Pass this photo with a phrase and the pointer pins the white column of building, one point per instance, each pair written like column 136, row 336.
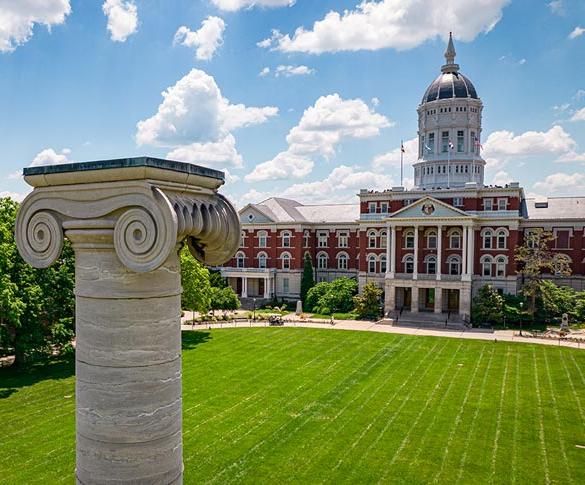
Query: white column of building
column 470, row 250
column 244, row 287
column 415, row 269
column 393, row 252
column 439, row 251
column 266, row 287
column 464, row 253
column 387, row 248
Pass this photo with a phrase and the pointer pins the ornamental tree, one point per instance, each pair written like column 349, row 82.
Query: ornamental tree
column 367, row 304
column 535, row 259
column 307, row 280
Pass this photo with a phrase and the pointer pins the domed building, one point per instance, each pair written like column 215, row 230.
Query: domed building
column 449, row 130
column 430, row 248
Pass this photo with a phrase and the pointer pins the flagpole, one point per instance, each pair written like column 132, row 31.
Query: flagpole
column 401, row 163
column 449, row 165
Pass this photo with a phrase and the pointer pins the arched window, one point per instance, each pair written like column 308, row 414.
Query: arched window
column 432, row 239
column 286, row 239
column 486, row 265
column 502, row 238
column 454, row 264
column 408, row 262
column 455, row 239
column 372, row 239
column 322, row 261
column 383, row 239
column 262, row 258
column 342, row 261
column 306, row 238
column 487, row 238
column 372, row 263
column 285, row 258
column 383, row 265
column 262, row 239
column 501, row 266
column 240, row 260
column 431, row 264
column 409, row 239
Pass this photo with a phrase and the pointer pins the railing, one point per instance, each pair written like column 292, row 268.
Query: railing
column 403, row 276
column 230, row 269
column 424, row 276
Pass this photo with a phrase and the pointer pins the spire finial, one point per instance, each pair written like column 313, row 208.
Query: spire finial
column 450, row 54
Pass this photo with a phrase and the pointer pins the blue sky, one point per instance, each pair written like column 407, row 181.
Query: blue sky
column 77, row 77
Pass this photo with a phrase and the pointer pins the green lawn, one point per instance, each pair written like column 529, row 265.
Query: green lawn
column 272, row 405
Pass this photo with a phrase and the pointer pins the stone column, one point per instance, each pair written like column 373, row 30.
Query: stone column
column 464, row 252
column 415, row 272
column 414, row 300
column 393, row 252
column 266, row 288
column 126, row 220
column 470, row 250
column 388, row 249
column 438, row 300
column 439, row 251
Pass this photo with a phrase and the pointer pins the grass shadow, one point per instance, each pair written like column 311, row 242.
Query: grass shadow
column 12, row 379
column 192, row 339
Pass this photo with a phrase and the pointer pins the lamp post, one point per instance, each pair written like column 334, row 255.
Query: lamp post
column 254, row 310
column 521, row 316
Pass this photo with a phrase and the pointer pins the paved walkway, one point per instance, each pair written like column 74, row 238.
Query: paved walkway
column 472, row 333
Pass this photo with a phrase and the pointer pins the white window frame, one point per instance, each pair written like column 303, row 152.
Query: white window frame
column 430, row 259
column 372, row 264
column 343, row 239
column 322, row 261
column 343, row 261
column 488, row 204
column 454, row 261
column 372, row 239
column 240, row 260
column 406, row 261
column 372, row 207
column 501, row 262
column 457, row 201
column 487, row 235
column 262, row 256
column 322, row 239
column 285, row 239
column 502, row 204
column 262, row 239
column 285, row 261
column 432, row 234
column 407, row 236
column 455, row 234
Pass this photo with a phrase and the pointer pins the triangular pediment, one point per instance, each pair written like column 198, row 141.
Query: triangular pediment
column 429, row 208
column 250, row 214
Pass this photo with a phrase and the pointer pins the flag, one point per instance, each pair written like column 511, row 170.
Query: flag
column 451, row 146
column 402, row 149
column 477, row 143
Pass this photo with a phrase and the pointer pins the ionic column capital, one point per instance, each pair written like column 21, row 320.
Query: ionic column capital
column 143, row 220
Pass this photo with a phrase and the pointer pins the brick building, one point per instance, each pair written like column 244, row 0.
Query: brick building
column 430, row 248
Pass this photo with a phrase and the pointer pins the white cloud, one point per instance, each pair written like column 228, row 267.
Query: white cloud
column 13, row 195
column 579, row 115
column 264, row 72
column 503, row 146
column 398, row 24
column 375, row 102
column 206, row 40
column 579, row 94
column 556, row 6
column 577, row 32
column 122, row 18
column 288, row 71
column 17, row 19
column 48, row 156
column 392, row 158
column 194, row 111
column 561, row 183
column 340, row 186
column 501, row 178
column 233, row 5
column 219, row 154
column 321, row 129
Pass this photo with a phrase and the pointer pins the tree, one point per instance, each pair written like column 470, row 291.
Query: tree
column 367, row 304
column 534, row 259
column 555, row 300
column 328, row 298
column 224, row 299
column 488, row 307
column 36, row 305
column 195, row 281
column 307, row 280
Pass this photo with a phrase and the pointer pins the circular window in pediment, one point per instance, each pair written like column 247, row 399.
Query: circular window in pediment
column 428, row 208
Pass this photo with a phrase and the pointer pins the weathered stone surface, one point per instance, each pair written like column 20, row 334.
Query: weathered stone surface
column 127, row 220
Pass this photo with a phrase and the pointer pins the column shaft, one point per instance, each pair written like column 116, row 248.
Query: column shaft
column 439, row 251
column 128, row 371
column 464, row 251
column 388, row 250
column 393, row 251
column 415, row 272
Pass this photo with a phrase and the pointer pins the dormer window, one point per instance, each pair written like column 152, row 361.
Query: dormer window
column 502, row 204
column 372, row 208
column 488, row 204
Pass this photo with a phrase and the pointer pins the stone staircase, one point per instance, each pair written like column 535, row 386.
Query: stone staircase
column 427, row 319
